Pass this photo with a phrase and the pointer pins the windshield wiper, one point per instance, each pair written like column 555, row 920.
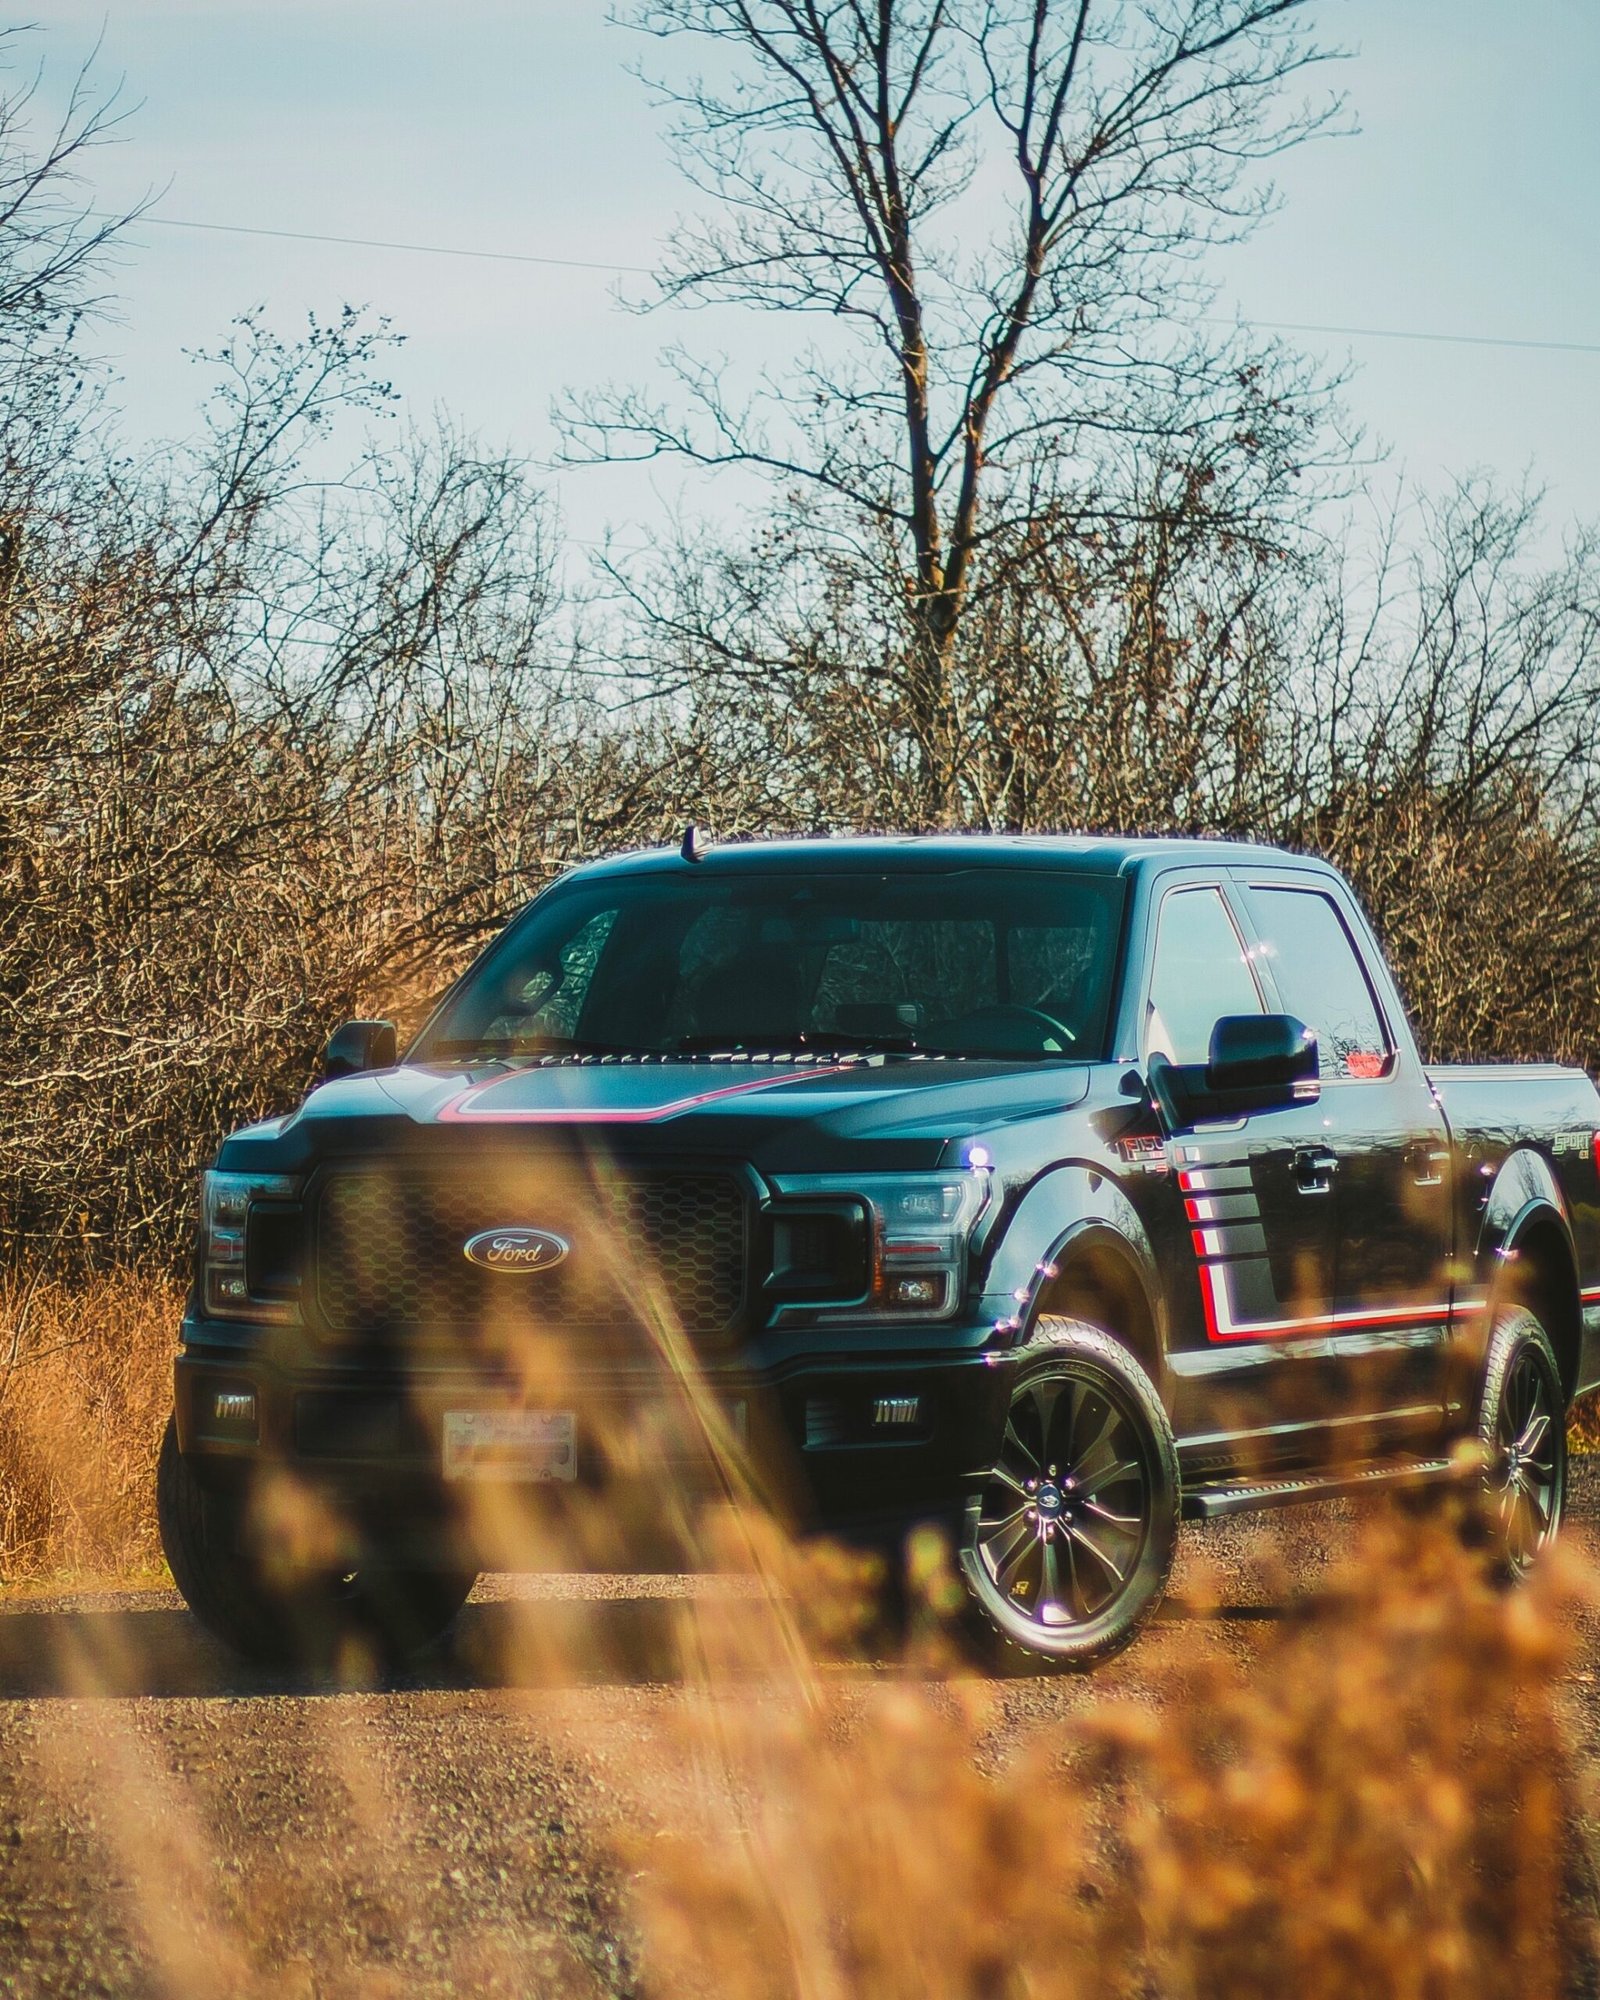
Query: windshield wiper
column 831, row 1043
column 1005, row 1055
column 495, row 1047
column 800, row 1044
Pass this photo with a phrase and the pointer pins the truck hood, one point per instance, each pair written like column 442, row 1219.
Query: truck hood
column 786, row 1117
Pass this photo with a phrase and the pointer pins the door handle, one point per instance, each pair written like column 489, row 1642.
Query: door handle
column 1314, row 1169
column 1423, row 1162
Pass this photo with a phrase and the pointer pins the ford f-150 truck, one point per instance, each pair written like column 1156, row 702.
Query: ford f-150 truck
column 1050, row 1189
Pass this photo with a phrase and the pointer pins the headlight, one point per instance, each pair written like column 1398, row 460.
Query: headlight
column 918, row 1229
column 248, row 1271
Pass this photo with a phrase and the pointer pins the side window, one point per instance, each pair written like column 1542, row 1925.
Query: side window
column 1319, row 973
column 1200, row 973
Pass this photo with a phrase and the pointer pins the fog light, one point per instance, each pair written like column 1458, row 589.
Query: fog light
column 234, row 1410
column 894, row 1411
column 917, row 1291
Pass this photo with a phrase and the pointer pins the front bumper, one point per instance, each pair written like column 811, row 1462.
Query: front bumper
column 855, row 1441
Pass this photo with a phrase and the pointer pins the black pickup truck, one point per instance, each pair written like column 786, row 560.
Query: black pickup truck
column 1049, row 1189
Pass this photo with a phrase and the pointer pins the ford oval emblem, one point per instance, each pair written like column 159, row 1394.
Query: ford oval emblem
column 515, row 1249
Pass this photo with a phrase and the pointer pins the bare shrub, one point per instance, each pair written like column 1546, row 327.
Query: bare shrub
column 1446, row 758
column 1426, row 723
column 274, row 749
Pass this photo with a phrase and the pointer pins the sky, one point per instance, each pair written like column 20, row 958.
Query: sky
column 1467, row 204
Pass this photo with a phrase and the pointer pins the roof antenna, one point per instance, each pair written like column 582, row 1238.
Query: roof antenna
column 693, row 848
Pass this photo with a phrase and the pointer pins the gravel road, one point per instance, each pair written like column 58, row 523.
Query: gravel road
column 172, row 1825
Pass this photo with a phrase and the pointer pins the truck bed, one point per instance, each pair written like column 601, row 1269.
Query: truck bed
column 1507, row 1104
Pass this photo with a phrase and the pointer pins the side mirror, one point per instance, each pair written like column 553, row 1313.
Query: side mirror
column 1259, row 1062
column 359, row 1046
column 1261, row 1052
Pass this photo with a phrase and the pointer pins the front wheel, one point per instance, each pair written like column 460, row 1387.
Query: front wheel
column 1069, row 1540
column 304, row 1618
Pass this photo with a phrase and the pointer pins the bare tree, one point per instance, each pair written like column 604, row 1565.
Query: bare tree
column 1004, row 205
column 54, row 245
column 284, row 735
column 1443, row 751
column 1116, row 673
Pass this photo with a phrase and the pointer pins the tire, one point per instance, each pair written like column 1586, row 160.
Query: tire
column 306, row 1619
column 1522, row 1434
column 1068, row 1542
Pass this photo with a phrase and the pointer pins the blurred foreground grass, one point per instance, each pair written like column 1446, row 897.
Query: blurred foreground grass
column 1375, row 1792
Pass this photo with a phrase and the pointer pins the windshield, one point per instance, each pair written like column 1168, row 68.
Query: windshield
column 977, row 962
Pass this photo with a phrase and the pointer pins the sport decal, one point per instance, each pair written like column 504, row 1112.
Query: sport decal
column 1236, row 1288
column 471, row 1107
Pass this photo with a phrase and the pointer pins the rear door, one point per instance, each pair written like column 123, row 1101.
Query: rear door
column 1391, row 1294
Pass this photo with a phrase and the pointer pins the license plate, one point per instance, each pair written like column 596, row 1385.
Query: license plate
column 510, row 1444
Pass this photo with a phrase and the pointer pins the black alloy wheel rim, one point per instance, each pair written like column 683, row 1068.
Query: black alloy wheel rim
column 1525, row 1485
column 1064, row 1513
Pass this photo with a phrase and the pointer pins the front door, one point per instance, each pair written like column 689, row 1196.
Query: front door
column 1392, row 1285
column 1253, row 1205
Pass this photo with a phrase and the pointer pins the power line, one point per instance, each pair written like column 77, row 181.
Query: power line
column 646, row 270
column 385, row 243
column 1404, row 333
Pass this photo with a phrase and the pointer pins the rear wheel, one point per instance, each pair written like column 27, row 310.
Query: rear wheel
column 1069, row 1541
column 1522, row 1431
column 298, row 1618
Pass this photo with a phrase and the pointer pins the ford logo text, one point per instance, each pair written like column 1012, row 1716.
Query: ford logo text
column 515, row 1249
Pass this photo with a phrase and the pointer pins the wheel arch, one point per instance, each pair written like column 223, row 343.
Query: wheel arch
column 1095, row 1274
column 1536, row 1266
column 1525, row 1255
column 1076, row 1247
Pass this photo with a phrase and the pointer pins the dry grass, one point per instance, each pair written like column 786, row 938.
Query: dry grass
column 85, row 1389
column 1583, row 1425
column 1379, row 1804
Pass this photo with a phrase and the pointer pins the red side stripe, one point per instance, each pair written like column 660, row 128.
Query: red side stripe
column 1209, row 1303
column 1317, row 1322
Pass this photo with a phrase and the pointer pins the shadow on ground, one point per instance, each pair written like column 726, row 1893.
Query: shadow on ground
column 75, row 1652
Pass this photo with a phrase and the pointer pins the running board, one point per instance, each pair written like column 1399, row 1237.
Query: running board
column 1211, row 1502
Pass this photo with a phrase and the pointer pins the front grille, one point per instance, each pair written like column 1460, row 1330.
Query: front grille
column 390, row 1250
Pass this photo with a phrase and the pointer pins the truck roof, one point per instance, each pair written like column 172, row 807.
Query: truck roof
column 1095, row 854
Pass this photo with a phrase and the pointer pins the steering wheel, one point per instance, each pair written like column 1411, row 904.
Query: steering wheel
column 1037, row 1017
